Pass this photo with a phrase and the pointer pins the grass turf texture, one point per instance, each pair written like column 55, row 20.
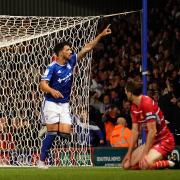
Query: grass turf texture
column 86, row 173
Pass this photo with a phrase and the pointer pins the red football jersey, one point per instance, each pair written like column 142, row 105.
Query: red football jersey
column 149, row 111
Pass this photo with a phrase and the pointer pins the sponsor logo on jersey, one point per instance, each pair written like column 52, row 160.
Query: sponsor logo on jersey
column 67, row 78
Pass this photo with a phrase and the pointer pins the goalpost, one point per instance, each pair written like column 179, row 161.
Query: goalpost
column 26, row 45
column 26, row 48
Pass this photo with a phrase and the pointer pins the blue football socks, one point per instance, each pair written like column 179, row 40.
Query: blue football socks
column 47, row 143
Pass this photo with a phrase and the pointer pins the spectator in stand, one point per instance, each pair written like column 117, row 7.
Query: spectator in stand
column 121, row 135
column 96, row 135
column 110, row 119
column 96, row 127
column 125, row 112
column 176, row 47
column 114, row 97
column 169, row 105
column 106, row 102
column 95, row 101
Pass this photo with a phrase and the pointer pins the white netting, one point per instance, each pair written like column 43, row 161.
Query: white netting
column 26, row 45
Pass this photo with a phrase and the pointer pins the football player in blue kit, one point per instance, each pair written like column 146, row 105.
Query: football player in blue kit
column 56, row 84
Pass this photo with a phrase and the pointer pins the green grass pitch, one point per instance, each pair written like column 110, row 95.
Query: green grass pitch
column 86, row 173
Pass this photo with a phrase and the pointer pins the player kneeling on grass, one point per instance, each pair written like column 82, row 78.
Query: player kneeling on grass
column 159, row 140
column 56, row 83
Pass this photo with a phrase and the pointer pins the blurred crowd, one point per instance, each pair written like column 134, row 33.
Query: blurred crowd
column 119, row 57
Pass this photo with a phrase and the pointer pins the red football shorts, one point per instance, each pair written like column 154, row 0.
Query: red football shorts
column 165, row 146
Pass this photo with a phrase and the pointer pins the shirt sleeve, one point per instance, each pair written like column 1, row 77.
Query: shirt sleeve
column 134, row 118
column 148, row 109
column 73, row 60
column 47, row 74
column 134, row 115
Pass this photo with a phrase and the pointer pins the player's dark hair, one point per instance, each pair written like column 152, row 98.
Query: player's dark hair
column 58, row 47
column 135, row 87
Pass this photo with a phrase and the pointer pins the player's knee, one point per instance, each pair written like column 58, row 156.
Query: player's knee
column 146, row 164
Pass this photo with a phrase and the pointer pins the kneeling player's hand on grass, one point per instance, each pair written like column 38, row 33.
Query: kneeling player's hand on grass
column 126, row 159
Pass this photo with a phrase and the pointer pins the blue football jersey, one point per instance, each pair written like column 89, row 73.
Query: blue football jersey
column 60, row 78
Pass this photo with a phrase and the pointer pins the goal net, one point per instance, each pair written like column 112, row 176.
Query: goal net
column 26, row 45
